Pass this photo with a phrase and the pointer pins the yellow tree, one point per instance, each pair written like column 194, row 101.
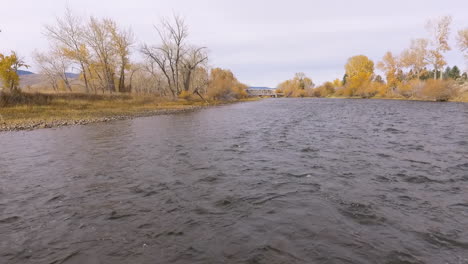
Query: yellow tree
column 122, row 41
column 9, row 66
column 390, row 65
column 299, row 86
column 99, row 39
column 359, row 70
column 439, row 30
column 223, row 85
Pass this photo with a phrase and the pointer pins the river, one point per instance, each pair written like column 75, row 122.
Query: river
column 273, row 181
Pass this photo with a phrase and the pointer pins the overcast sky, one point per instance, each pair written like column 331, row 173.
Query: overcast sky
column 262, row 42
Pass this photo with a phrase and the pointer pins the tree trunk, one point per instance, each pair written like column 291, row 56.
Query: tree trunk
column 110, row 81
column 122, row 80
column 187, row 80
column 85, row 77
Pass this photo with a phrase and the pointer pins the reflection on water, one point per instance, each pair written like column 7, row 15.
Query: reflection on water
column 275, row 181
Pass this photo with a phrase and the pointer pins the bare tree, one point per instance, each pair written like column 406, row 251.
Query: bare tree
column 462, row 39
column 416, row 57
column 439, row 30
column 54, row 66
column 194, row 57
column 169, row 54
column 162, row 59
column 68, row 35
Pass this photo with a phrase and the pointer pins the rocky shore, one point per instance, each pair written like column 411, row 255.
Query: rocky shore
column 30, row 125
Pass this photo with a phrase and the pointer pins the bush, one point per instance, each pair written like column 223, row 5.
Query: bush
column 439, row 90
column 185, row 95
column 16, row 97
column 325, row 90
column 224, row 86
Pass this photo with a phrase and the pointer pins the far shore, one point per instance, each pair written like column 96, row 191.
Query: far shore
column 82, row 111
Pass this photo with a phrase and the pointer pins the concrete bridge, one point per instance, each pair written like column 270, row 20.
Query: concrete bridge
column 262, row 92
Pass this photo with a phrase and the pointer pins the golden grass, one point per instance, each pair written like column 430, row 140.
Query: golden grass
column 74, row 107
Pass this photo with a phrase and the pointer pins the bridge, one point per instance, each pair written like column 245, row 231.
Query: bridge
column 262, row 92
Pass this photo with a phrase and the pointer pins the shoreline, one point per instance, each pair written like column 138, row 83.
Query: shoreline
column 29, row 125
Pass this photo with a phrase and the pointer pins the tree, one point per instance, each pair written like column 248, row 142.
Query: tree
column 122, row 41
column 168, row 54
column 379, row 79
column 194, row 57
column 454, row 73
column 416, row 57
column 359, row 70
column 439, row 30
column 99, row 38
column 54, row 66
column 223, row 85
column 345, row 78
column 176, row 59
column 299, row 86
column 462, row 40
column 68, row 36
column 9, row 66
column 391, row 66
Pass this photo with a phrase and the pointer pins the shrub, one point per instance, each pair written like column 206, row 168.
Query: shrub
column 439, row 90
column 185, row 95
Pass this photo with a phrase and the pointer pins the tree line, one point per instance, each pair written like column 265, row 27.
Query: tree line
column 101, row 51
column 417, row 72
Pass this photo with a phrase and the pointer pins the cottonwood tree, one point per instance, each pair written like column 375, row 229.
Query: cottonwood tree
column 462, row 40
column 54, row 65
column 390, row 64
column 158, row 77
column 9, row 66
column 68, row 36
column 122, row 41
column 359, row 71
column 299, row 86
column 223, row 85
column 416, row 56
column 99, row 39
column 439, row 30
column 175, row 58
column 193, row 58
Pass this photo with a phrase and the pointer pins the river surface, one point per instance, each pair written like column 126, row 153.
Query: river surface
column 273, row 181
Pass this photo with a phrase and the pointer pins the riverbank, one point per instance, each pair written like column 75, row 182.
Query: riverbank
column 463, row 99
column 79, row 109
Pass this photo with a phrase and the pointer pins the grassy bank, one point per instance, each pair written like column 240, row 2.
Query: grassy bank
column 30, row 111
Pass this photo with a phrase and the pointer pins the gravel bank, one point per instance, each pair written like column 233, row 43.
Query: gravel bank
column 30, row 125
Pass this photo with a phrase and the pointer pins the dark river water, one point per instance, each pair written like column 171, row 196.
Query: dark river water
column 273, row 181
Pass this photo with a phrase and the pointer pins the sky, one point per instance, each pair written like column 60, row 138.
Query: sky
column 262, row 42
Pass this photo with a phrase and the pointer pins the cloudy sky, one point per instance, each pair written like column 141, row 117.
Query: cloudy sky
column 263, row 42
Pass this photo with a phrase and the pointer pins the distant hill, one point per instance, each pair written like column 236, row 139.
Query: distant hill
column 37, row 81
column 69, row 74
column 72, row 75
column 21, row 72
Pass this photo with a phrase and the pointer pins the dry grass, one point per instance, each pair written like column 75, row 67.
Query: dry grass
column 52, row 107
column 27, row 110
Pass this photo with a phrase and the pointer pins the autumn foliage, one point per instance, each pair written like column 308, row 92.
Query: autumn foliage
column 416, row 73
column 223, row 85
